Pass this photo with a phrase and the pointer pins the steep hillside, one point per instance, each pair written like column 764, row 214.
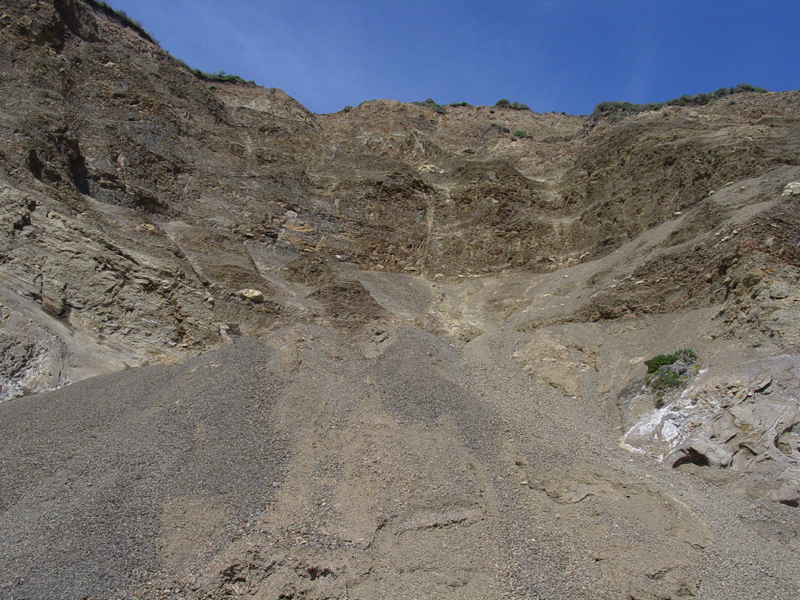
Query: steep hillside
column 388, row 352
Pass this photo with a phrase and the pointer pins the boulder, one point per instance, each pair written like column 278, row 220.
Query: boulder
column 252, row 295
column 792, row 189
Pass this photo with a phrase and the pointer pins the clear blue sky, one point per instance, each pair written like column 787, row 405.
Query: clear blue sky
column 554, row 55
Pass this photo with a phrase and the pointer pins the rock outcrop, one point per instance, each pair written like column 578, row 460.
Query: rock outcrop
column 746, row 421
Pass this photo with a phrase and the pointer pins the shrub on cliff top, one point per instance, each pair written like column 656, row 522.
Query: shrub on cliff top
column 122, row 17
column 218, row 77
column 616, row 111
column 503, row 103
column 430, row 103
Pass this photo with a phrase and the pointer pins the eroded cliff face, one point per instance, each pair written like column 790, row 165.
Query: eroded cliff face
column 138, row 204
column 137, row 199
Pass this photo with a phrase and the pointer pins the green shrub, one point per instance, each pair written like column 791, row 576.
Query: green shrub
column 430, row 103
column 744, row 87
column 667, row 371
column 616, row 111
column 655, row 363
column 520, row 134
column 122, row 17
column 218, row 77
column 459, row 104
column 503, row 103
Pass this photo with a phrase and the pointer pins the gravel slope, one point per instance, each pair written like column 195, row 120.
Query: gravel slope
column 321, row 463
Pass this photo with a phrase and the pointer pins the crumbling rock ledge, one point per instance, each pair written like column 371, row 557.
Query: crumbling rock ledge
column 746, row 420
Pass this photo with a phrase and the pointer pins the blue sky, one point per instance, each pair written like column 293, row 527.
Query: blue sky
column 554, row 55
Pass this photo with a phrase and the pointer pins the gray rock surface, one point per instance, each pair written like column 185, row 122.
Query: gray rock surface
column 745, row 421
